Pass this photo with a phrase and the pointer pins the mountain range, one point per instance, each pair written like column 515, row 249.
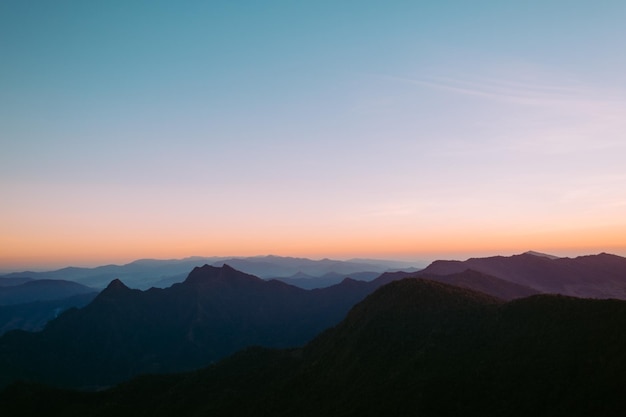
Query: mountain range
column 146, row 273
column 593, row 276
column 413, row 347
column 217, row 311
column 41, row 290
column 596, row 276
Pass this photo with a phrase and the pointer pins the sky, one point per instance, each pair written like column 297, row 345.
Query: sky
column 389, row 129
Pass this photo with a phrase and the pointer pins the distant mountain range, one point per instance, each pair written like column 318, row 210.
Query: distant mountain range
column 593, row 276
column 13, row 279
column 596, row 276
column 146, row 273
column 41, row 290
column 413, row 347
column 309, row 282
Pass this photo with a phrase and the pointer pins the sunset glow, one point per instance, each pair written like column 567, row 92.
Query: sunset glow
column 361, row 129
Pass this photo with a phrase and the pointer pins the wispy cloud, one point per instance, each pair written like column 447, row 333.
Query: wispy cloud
column 511, row 91
column 555, row 114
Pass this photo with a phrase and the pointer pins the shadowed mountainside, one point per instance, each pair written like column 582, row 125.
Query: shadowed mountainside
column 484, row 283
column 414, row 347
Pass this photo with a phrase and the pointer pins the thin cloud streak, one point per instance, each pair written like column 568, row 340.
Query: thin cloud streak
column 560, row 118
column 520, row 93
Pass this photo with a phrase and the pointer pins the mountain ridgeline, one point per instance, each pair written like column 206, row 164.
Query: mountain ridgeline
column 30, row 304
column 41, row 290
column 125, row 332
column 592, row 276
column 413, row 347
column 217, row 311
column 147, row 273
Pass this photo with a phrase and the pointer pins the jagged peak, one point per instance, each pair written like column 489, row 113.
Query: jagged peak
column 116, row 285
column 114, row 288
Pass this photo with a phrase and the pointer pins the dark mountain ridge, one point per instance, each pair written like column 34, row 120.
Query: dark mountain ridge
column 213, row 313
column 482, row 282
column 593, row 276
column 413, row 347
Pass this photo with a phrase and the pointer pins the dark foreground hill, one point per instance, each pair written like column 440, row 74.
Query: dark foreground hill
column 592, row 276
column 414, row 347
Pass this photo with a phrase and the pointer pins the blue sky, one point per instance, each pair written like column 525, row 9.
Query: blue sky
column 398, row 129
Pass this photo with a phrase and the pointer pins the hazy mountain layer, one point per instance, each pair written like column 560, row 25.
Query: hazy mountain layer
column 595, row 276
column 13, row 280
column 138, row 274
column 309, row 282
column 41, row 290
column 35, row 315
column 146, row 273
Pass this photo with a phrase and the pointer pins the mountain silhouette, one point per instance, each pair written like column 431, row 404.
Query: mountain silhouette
column 413, row 347
column 281, row 266
column 146, row 273
column 309, row 282
column 213, row 313
column 484, row 283
column 142, row 273
column 594, row 276
column 124, row 332
column 469, row 279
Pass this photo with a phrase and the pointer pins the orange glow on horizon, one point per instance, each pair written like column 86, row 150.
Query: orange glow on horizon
column 55, row 253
